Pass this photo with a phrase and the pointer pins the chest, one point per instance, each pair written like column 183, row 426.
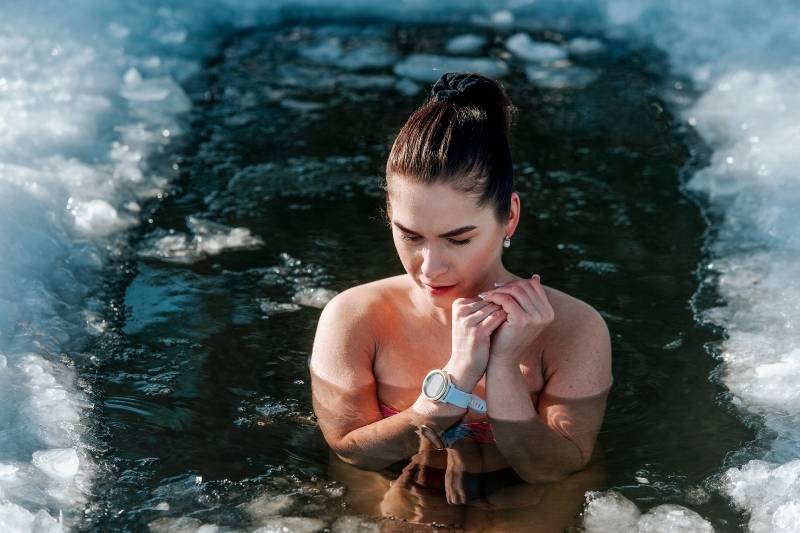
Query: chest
column 407, row 351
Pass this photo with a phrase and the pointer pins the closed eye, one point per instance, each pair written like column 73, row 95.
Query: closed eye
column 416, row 238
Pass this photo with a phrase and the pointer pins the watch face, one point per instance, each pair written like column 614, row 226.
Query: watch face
column 434, row 384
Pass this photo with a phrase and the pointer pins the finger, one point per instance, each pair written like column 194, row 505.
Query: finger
column 481, row 314
column 543, row 301
column 472, row 305
column 509, row 303
column 491, row 322
column 519, row 293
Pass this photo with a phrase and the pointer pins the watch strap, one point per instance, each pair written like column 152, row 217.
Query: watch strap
column 463, row 399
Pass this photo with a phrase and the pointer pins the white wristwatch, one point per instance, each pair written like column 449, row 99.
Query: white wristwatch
column 437, row 387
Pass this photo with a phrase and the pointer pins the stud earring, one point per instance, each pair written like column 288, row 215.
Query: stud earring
column 507, row 242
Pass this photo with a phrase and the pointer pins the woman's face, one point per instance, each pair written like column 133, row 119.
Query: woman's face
column 448, row 245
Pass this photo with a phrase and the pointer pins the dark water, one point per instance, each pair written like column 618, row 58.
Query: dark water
column 202, row 387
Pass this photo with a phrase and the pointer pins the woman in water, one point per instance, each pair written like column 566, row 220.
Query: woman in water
column 483, row 378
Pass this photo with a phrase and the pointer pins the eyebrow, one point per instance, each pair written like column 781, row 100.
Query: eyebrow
column 451, row 233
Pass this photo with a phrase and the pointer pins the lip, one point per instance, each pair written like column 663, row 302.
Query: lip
column 437, row 290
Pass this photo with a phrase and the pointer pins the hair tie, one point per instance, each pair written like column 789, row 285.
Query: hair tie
column 453, row 84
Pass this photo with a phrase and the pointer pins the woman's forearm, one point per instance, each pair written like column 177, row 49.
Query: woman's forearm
column 391, row 439
column 536, row 452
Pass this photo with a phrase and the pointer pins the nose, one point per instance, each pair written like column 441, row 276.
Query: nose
column 433, row 263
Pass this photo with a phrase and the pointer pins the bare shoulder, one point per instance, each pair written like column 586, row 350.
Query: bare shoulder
column 346, row 335
column 576, row 342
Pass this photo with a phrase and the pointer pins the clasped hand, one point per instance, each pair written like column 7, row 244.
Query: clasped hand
column 499, row 325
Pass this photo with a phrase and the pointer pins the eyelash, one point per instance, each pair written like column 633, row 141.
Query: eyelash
column 415, row 238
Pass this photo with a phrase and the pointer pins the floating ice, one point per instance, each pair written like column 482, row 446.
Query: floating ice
column 313, row 296
column 271, row 307
column 768, row 492
column 560, row 78
column 58, row 463
column 268, row 505
column 521, row 45
column 582, row 46
column 208, row 238
column 354, row 524
column 295, row 524
column 429, row 67
column 16, row 519
column 469, row 43
column 359, row 57
column 611, row 512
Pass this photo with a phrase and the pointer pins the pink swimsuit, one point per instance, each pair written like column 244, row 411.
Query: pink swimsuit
column 480, row 431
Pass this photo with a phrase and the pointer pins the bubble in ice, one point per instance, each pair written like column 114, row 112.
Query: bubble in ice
column 430, row 67
column 522, row 46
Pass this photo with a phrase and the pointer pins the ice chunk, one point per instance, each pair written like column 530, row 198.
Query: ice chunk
column 57, row 463
column 430, row 67
column 768, row 492
column 580, row 46
column 313, row 296
column 673, row 518
column 468, row 43
column 610, row 512
column 362, row 56
column 521, row 45
column 295, row 524
column 183, row 524
column 271, row 307
column 560, row 78
column 16, row 519
column 407, row 87
column 208, row 238
column 354, row 524
column 268, row 505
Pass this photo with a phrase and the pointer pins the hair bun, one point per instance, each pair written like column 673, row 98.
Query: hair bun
column 456, row 84
column 473, row 89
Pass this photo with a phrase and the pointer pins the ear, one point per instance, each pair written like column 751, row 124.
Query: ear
column 513, row 215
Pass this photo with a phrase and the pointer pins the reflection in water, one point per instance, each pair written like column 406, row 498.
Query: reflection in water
column 468, row 486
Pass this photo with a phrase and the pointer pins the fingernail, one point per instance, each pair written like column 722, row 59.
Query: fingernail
column 537, row 277
column 499, row 283
column 482, row 296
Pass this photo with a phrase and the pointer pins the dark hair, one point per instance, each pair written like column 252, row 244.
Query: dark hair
column 460, row 136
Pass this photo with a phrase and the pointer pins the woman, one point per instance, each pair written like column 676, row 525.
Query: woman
column 538, row 359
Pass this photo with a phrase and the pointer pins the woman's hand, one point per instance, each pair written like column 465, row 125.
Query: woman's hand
column 473, row 321
column 528, row 313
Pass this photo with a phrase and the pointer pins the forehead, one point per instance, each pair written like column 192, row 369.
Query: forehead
column 438, row 206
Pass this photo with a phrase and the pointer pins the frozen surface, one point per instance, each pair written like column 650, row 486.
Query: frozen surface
column 81, row 112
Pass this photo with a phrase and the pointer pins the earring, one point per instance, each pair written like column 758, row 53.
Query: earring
column 507, row 242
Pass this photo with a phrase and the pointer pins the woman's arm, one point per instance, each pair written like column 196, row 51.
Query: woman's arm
column 558, row 440
column 344, row 390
